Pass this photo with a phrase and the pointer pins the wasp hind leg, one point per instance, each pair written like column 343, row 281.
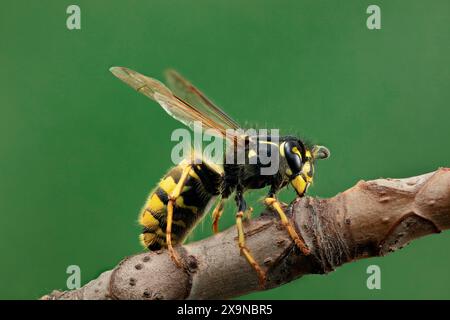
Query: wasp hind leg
column 272, row 202
column 172, row 199
column 241, row 240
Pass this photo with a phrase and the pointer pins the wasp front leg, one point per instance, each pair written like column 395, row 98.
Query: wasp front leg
column 241, row 240
column 172, row 200
column 272, row 202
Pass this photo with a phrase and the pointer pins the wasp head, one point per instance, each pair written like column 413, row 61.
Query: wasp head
column 300, row 162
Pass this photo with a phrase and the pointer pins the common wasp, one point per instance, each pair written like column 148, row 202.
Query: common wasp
column 188, row 191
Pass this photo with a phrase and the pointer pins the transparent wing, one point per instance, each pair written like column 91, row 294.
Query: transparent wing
column 175, row 106
column 189, row 93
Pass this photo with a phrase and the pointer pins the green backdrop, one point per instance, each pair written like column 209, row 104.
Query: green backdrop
column 79, row 151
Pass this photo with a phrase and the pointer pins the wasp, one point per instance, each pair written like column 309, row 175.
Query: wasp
column 188, row 190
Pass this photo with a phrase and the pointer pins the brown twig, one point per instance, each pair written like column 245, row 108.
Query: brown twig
column 370, row 219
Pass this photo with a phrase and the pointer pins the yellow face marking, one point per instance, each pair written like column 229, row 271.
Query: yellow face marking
column 289, row 172
column 308, row 154
column 167, row 184
column 306, row 169
column 155, row 204
column 148, row 220
column 296, row 151
column 299, row 185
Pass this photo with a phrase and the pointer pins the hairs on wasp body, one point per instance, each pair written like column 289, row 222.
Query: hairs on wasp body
column 189, row 189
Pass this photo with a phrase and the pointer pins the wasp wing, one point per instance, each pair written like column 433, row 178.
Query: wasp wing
column 189, row 93
column 175, row 106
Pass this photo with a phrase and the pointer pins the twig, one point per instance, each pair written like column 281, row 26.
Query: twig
column 370, row 219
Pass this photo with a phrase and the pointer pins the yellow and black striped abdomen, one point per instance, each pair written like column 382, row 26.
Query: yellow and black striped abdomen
column 188, row 209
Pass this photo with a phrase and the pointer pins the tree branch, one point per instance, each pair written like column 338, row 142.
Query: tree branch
column 370, row 219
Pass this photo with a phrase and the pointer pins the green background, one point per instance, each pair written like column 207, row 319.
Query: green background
column 79, row 151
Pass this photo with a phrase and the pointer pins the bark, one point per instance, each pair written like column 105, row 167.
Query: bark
column 373, row 218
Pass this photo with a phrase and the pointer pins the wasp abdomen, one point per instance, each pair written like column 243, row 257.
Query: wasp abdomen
column 188, row 209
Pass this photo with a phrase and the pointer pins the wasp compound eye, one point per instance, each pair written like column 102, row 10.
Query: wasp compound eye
column 293, row 157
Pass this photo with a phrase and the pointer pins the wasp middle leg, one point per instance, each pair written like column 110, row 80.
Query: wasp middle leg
column 272, row 202
column 241, row 239
column 217, row 213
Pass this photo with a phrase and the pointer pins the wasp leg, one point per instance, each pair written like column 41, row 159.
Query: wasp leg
column 217, row 213
column 299, row 242
column 172, row 199
column 241, row 241
column 248, row 213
